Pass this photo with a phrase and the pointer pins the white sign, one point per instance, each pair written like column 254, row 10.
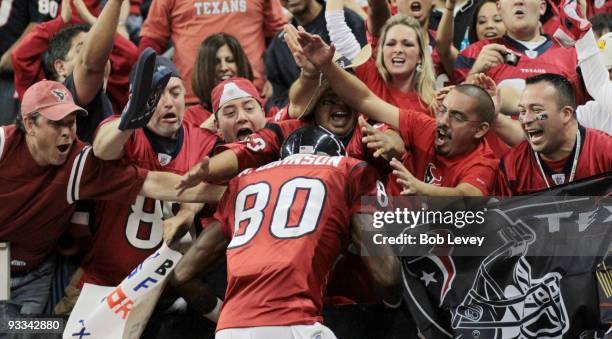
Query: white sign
column 122, row 311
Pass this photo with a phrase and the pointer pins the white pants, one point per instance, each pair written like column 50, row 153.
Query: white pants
column 314, row 331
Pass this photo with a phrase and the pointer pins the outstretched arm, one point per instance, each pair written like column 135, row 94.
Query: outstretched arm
column 444, row 38
column 413, row 186
column 221, row 167
column 207, row 250
column 384, row 269
column 350, row 89
column 378, row 14
column 305, row 86
column 89, row 70
column 161, row 186
column 110, row 141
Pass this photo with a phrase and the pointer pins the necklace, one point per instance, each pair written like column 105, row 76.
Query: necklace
column 562, row 176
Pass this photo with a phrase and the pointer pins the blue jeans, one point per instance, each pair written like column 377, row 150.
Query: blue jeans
column 30, row 291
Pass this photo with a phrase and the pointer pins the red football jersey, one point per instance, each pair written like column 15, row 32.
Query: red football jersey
column 549, row 57
column 37, row 202
column 264, row 145
column 287, row 222
column 477, row 168
column 520, row 174
column 127, row 234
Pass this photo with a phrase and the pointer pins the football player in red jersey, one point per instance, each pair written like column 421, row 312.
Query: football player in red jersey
column 449, row 154
column 282, row 228
column 557, row 150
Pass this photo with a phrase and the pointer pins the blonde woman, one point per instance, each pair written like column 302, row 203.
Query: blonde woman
column 400, row 70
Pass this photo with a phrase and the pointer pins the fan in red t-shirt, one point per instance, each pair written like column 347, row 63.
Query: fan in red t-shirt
column 449, row 153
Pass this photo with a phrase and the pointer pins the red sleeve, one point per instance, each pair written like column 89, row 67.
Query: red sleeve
column 155, row 31
column 263, row 146
column 123, row 57
column 274, row 19
column 260, row 148
column 415, row 125
column 482, row 175
column 92, row 178
column 27, row 55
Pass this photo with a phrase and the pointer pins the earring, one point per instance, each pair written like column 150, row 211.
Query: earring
column 419, row 67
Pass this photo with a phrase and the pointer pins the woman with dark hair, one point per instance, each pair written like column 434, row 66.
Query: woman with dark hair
column 220, row 57
column 486, row 23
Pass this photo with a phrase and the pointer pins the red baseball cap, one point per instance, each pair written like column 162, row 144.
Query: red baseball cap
column 51, row 99
column 233, row 88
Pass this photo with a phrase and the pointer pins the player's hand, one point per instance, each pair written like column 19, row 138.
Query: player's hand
column 194, row 176
column 315, row 49
column 291, row 38
column 384, row 144
column 176, row 227
column 492, row 55
column 66, row 12
column 410, row 184
column 488, row 84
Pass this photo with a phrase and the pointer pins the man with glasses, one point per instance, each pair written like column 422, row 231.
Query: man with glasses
column 449, row 154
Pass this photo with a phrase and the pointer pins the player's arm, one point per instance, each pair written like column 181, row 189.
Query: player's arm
column 162, row 186
column 413, row 186
column 110, row 141
column 89, row 70
column 349, row 88
column 219, row 168
column 384, row 269
column 208, row 250
column 175, row 227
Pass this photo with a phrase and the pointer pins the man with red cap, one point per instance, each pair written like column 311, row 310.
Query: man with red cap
column 44, row 170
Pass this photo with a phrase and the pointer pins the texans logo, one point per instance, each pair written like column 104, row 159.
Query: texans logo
column 430, row 178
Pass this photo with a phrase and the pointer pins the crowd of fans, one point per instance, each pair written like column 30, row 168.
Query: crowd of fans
column 442, row 97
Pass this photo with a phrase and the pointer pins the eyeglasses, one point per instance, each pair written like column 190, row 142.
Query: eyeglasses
column 455, row 116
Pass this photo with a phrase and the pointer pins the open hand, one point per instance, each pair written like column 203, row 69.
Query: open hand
column 194, row 176
column 410, row 184
column 381, row 142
